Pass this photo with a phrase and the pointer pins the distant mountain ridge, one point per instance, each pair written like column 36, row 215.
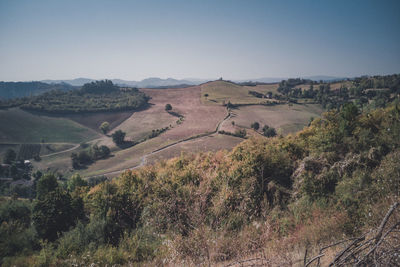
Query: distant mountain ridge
column 21, row 89
column 149, row 82
column 10, row 90
column 154, row 82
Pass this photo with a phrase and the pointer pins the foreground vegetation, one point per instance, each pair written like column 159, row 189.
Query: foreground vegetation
column 333, row 180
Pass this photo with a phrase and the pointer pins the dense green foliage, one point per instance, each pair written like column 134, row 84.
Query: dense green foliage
column 255, row 126
column 365, row 91
column 269, row 131
column 93, row 97
column 168, row 107
column 118, row 137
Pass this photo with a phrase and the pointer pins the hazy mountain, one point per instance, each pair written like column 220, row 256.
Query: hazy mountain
column 262, row 80
column 155, row 82
column 20, row 89
column 149, row 82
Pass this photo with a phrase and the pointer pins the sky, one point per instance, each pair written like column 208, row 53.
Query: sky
column 133, row 40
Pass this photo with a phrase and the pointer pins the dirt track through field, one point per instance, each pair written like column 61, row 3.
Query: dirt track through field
column 63, row 151
column 143, row 160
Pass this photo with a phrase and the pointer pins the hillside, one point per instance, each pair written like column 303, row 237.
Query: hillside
column 96, row 96
column 23, row 127
column 280, row 196
column 222, row 92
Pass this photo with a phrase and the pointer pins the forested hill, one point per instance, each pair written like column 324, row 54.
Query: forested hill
column 9, row 90
column 91, row 97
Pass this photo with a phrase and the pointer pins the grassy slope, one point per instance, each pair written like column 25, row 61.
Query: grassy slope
column 199, row 118
column 23, row 127
column 209, row 143
column 94, row 120
column 287, row 118
column 222, row 91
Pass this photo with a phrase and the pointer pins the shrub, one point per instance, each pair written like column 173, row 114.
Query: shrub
column 104, row 127
column 118, row 137
column 269, row 131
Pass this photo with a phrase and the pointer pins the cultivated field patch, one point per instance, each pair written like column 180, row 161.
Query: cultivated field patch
column 222, row 92
column 19, row 126
column 287, row 118
column 94, row 120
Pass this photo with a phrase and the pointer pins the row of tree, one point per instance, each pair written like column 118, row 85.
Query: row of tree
column 329, row 181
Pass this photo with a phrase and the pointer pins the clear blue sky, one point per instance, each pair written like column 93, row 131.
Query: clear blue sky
column 133, row 40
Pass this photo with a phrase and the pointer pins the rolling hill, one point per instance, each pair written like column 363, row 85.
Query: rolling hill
column 10, row 90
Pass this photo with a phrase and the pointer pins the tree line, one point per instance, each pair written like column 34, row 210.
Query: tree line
column 92, row 97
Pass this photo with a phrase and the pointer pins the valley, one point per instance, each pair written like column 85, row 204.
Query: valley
column 192, row 126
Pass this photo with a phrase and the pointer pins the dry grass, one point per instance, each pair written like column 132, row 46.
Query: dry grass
column 198, row 118
column 220, row 92
column 287, row 118
column 213, row 143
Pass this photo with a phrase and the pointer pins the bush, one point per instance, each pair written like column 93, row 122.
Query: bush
column 240, row 133
column 118, row 137
column 104, row 127
column 269, row 131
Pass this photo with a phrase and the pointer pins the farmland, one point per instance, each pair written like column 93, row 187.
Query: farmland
column 222, row 92
column 285, row 118
column 24, row 127
column 198, row 117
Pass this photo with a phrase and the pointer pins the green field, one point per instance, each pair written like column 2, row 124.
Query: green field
column 18, row 126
